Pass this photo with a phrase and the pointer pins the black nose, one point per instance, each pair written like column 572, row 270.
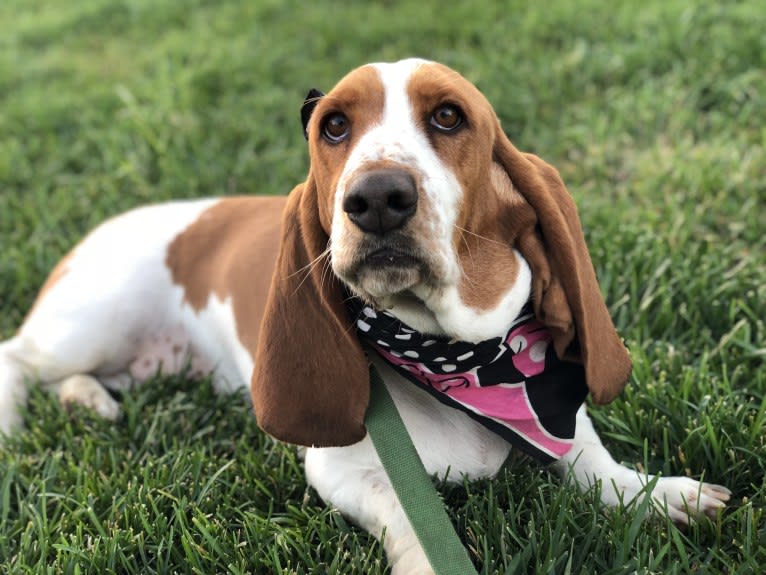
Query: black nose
column 382, row 200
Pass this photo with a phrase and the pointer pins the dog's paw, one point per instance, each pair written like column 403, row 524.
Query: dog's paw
column 686, row 499
column 407, row 557
column 10, row 418
column 403, row 568
column 87, row 391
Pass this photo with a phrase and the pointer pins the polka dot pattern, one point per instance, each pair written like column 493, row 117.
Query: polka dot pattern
column 514, row 385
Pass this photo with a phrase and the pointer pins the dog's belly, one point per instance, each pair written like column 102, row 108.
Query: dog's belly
column 169, row 351
column 214, row 346
column 204, row 346
column 196, row 342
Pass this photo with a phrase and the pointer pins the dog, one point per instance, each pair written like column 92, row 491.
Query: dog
column 420, row 226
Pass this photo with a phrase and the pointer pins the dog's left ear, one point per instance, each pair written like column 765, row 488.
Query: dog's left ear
column 311, row 101
column 565, row 291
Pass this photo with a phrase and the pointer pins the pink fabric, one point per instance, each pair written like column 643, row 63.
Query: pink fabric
column 529, row 342
column 506, row 403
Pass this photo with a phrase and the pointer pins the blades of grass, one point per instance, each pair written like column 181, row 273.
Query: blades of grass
column 94, row 519
column 680, row 545
column 213, row 478
column 200, row 523
column 639, row 516
column 9, row 477
column 568, row 566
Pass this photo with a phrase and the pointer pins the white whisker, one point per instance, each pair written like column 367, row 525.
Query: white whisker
column 308, row 268
column 480, row 236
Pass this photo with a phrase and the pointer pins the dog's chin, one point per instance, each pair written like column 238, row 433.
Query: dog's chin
column 383, row 273
column 380, row 283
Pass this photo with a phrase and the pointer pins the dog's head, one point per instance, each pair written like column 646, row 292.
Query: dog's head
column 417, row 202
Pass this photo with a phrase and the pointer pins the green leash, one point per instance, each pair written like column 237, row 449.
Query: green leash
column 412, row 484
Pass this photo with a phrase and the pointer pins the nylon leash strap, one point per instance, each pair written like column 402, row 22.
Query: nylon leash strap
column 412, row 484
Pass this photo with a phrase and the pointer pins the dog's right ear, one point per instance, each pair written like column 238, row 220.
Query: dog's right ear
column 311, row 101
column 310, row 385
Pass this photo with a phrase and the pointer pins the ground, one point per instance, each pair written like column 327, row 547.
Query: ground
column 654, row 114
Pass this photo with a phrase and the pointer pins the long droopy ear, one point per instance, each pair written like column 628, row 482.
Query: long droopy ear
column 566, row 295
column 311, row 383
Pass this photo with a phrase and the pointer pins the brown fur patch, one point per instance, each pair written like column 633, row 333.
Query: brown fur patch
column 566, row 295
column 230, row 251
column 545, row 228
column 360, row 97
column 491, row 213
column 310, row 383
column 486, row 256
column 479, row 255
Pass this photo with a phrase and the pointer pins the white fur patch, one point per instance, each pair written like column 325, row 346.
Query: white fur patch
column 85, row 390
column 398, row 139
column 468, row 324
column 213, row 331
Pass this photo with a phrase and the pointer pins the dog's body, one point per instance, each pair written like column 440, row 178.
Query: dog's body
column 422, row 208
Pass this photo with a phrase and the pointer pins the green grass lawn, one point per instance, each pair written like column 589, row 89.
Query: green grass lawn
column 654, row 112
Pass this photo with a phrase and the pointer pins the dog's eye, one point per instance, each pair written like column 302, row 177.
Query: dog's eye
column 447, row 118
column 335, row 128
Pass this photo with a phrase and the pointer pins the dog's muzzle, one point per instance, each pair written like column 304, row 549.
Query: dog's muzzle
column 381, row 201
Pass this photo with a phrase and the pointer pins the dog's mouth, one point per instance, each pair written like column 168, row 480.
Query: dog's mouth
column 385, row 271
column 389, row 258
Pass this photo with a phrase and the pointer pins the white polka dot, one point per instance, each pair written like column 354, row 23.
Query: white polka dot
column 518, row 343
column 440, row 359
column 465, row 356
column 396, row 353
column 412, row 354
column 449, row 367
column 363, row 325
column 404, row 336
column 383, row 343
column 369, row 312
column 429, row 342
column 537, row 351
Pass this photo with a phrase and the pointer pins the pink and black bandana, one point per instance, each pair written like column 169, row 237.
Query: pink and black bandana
column 515, row 386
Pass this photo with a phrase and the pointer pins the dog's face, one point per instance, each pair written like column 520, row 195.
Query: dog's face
column 426, row 209
column 414, row 205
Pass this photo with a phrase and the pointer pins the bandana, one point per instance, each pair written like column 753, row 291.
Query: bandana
column 514, row 385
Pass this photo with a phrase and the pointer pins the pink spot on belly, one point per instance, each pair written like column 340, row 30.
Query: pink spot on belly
column 167, row 352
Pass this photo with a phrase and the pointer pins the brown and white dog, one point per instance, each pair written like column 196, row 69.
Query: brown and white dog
column 416, row 202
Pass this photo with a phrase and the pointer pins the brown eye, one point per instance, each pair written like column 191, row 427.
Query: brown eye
column 447, row 118
column 335, row 128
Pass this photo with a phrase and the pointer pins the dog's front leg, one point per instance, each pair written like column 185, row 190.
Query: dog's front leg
column 353, row 480
column 589, row 462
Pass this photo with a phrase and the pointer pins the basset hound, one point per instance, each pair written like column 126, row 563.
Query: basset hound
column 420, row 232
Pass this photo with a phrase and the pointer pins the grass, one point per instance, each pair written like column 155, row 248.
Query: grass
column 653, row 112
